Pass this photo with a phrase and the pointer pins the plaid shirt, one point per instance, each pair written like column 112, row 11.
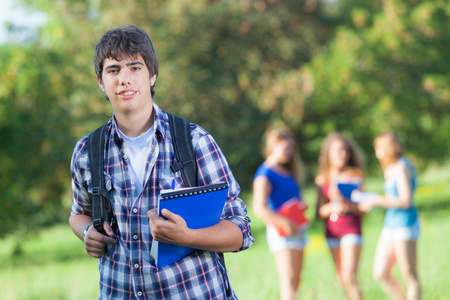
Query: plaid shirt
column 126, row 270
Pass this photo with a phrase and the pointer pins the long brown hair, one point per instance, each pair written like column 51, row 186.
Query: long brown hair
column 281, row 134
column 355, row 160
column 392, row 147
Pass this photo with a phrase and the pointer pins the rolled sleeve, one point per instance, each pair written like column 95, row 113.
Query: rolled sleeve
column 81, row 204
column 243, row 222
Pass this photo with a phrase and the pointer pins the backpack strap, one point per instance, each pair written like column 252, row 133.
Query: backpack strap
column 101, row 205
column 180, row 130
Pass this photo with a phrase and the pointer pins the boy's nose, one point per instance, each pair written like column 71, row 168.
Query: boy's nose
column 125, row 78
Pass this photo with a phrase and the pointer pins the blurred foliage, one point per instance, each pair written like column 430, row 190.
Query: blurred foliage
column 386, row 68
column 235, row 68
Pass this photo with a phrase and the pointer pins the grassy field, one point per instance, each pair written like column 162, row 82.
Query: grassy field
column 53, row 264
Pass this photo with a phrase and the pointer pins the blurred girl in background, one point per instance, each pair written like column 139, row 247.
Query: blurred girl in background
column 277, row 200
column 341, row 162
column 398, row 239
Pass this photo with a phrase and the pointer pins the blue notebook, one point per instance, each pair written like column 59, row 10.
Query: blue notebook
column 347, row 187
column 199, row 206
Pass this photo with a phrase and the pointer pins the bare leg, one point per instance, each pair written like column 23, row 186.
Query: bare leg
column 350, row 255
column 336, row 254
column 406, row 254
column 383, row 263
column 289, row 264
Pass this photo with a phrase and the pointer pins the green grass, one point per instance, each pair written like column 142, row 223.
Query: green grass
column 254, row 276
column 53, row 264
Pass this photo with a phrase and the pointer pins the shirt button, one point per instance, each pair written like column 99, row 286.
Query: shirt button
column 125, row 156
column 135, row 210
column 136, row 266
column 135, row 237
column 139, row 293
column 132, row 181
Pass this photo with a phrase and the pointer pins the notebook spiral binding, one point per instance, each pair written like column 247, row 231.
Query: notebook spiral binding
column 197, row 191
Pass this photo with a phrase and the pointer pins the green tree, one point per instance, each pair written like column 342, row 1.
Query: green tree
column 385, row 69
column 234, row 67
column 215, row 58
column 36, row 141
column 218, row 58
column 43, row 95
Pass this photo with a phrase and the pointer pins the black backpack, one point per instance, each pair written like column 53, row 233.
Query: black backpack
column 186, row 163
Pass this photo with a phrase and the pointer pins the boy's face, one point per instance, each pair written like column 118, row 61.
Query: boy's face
column 127, row 83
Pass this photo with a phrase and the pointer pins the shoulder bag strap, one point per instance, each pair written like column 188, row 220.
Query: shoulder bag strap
column 101, row 206
column 180, row 130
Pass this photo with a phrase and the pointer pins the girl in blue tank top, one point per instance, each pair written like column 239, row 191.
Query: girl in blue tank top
column 275, row 187
column 284, row 186
column 400, row 217
column 398, row 239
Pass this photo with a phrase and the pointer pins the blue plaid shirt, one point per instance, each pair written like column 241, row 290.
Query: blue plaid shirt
column 126, row 270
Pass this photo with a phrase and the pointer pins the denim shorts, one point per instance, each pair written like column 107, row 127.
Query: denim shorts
column 346, row 240
column 410, row 233
column 276, row 242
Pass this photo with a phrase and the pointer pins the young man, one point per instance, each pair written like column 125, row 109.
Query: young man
column 138, row 155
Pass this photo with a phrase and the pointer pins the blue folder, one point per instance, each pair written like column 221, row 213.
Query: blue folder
column 199, row 206
column 346, row 188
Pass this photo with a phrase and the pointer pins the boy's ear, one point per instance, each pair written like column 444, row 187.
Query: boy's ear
column 100, row 84
column 153, row 80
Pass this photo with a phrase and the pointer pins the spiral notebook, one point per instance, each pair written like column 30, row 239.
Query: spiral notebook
column 199, row 206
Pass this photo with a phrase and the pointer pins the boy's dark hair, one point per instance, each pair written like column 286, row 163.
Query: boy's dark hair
column 128, row 40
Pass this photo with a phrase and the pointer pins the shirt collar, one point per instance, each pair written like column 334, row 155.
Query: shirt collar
column 160, row 125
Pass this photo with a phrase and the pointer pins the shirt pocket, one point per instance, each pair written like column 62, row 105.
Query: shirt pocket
column 169, row 180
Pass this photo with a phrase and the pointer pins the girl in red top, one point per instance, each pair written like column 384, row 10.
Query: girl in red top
column 340, row 162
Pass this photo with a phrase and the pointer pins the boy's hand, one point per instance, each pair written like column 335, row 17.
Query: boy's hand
column 170, row 229
column 95, row 242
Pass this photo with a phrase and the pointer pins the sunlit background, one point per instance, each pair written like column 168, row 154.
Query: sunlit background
column 236, row 68
column 15, row 15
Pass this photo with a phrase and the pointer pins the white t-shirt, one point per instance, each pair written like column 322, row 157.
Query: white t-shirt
column 137, row 150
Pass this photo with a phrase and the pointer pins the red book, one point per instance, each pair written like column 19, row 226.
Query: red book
column 293, row 211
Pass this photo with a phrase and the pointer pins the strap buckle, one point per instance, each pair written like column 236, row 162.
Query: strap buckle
column 181, row 164
column 96, row 191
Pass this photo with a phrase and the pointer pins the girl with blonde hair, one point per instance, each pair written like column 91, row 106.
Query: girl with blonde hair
column 276, row 189
column 398, row 239
column 340, row 162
